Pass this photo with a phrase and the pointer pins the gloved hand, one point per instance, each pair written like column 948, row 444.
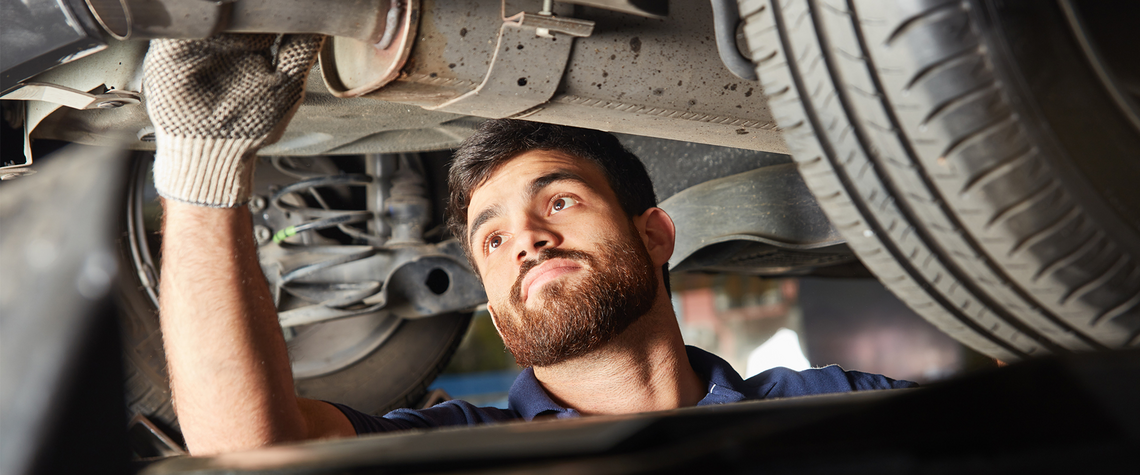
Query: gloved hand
column 214, row 102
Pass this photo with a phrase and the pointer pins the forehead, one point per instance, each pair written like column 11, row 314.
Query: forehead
column 512, row 178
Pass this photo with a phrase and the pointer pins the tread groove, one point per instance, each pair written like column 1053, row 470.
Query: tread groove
column 1067, row 259
column 1118, row 310
column 983, row 297
column 1025, row 203
column 1095, row 282
column 1046, row 231
column 944, row 63
column 907, row 267
column 968, row 95
column 999, row 169
column 980, row 133
column 910, row 23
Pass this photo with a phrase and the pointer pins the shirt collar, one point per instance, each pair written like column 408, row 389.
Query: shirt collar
column 724, row 383
column 529, row 399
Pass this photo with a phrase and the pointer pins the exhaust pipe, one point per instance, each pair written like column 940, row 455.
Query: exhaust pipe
column 363, row 20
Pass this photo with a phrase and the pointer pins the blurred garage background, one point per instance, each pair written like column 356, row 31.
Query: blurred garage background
column 757, row 323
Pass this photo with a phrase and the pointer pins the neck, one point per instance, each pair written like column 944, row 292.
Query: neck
column 644, row 369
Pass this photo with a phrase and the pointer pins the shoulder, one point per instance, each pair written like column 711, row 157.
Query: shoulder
column 783, row 382
column 449, row 413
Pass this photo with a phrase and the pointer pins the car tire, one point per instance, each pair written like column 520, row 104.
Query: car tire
column 972, row 156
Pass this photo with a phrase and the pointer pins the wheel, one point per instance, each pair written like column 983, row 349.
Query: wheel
column 973, row 157
column 373, row 362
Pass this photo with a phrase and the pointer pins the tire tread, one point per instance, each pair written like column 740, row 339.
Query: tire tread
column 979, row 243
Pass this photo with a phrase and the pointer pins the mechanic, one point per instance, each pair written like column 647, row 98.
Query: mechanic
column 560, row 224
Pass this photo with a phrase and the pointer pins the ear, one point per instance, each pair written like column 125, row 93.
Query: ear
column 658, row 233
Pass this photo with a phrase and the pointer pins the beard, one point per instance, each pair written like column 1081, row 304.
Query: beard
column 577, row 316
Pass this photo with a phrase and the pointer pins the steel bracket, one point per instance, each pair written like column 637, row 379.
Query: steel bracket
column 64, row 96
column 69, row 97
column 532, row 53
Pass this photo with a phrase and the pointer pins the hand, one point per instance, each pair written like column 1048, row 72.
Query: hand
column 214, row 102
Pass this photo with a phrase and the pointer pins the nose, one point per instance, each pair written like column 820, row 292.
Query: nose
column 533, row 240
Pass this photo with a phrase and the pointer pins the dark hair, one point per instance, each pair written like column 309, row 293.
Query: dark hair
column 498, row 141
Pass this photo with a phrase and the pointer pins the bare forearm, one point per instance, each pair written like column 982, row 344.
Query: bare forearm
column 229, row 368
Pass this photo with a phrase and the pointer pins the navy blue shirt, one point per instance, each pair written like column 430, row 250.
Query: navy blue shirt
column 528, row 400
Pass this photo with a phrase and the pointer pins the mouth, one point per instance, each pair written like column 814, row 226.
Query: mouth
column 546, row 272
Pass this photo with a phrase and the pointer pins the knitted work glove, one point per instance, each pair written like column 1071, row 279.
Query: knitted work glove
column 214, row 102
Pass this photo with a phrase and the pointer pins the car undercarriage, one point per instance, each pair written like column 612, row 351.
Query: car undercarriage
column 977, row 157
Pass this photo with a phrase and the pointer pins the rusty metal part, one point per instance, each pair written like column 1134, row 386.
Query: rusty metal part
column 526, row 69
column 392, row 18
column 352, row 67
column 652, row 77
column 655, row 77
column 148, row 19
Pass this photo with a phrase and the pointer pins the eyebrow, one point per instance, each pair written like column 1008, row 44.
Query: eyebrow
column 484, row 216
column 546, row 180
column 533, row 189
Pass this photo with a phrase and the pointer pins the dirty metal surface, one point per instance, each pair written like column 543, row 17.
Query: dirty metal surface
column 69, row 97
column 524, row 73
column 769, row 205
column 652, row 77
column 661, row 78
column 674, row 165
column 455, row 44
column 41, row 34
column 655, row 77
column 351, row 67
column 324, row 124
column 148, row 19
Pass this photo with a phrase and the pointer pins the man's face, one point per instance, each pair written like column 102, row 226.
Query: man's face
column 564, row 268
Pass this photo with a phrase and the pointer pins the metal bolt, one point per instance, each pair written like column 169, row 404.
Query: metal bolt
column 262, row 234
column 257, row 203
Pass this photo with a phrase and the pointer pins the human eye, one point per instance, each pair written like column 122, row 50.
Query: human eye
column 493, row 242
column 561, row 203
